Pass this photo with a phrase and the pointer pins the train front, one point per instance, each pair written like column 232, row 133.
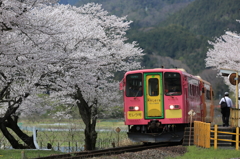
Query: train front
column 154, row 105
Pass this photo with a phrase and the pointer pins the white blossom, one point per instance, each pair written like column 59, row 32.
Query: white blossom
column 62, row 47
column 224, row 54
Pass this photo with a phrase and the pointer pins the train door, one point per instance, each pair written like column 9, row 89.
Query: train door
column 153, row 96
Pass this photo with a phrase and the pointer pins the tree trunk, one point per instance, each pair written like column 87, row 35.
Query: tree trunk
column 90, row 138
column 10, row 120
column 28, row 140
column 14, row 143
column 88, row 114
column 90, row 132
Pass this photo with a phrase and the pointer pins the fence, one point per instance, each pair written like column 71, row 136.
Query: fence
column 202, row 135
column 72, row 143
column 235, row 117
column 70, row 137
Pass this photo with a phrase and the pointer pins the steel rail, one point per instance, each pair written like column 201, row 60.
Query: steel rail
column 104, row 152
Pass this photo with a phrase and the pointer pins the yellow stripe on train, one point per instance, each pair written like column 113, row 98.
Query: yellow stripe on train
column 175, row 113
column 134, row 114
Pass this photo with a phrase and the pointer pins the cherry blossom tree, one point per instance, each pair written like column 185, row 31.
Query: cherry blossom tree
column 94, row 49
column 71, row 51
column 22, row 48
column 224, row 54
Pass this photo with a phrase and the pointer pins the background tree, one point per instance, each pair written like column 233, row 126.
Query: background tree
column 224, row 54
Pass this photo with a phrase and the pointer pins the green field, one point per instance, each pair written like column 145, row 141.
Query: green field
column 70, row 133
column 65, row 136
column 23, row 154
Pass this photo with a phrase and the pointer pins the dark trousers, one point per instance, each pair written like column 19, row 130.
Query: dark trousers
column 225, row 116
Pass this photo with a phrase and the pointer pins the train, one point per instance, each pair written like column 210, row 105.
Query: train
column 160, row 103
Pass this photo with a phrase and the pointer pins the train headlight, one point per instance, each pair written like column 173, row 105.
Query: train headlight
column 174, row 107
column 134, row 108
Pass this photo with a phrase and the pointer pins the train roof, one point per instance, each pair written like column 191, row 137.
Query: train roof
column 156, row 70
column 179, row 70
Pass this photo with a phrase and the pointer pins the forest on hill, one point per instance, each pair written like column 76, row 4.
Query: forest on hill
column 183, row 46
column 176, row 30
column 143, row 13
column 208, row 18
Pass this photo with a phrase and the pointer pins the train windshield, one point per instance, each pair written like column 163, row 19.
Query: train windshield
column 134, row 85
column 172, row 83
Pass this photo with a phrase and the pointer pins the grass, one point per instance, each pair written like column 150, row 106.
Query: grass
column 195, row 152
column 101, row 124
column 112, row 125
column 18, row 154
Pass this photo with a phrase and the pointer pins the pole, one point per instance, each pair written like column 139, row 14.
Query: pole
column 237, row 107
column 189, row 142
column 237, row 90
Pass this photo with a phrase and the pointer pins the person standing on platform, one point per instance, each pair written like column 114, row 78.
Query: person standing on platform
column 226, row 110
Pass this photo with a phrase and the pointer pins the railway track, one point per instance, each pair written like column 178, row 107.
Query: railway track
column 104, row 152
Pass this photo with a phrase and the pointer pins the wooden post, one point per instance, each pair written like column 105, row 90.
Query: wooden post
column 23, row 155
column 69, row 147
column 237, row 138
column 215, row 136
column 191, row 113
column 113, row 144
column 208, row 135
column 237, row 91
column 196, row 133
column 195, row 136
column 118, row 131
column 190, row 132
column 202, row 134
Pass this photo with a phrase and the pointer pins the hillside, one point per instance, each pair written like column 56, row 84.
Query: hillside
column 179, row 29
column 143, row 13
column 208, row 18
column 173, row 41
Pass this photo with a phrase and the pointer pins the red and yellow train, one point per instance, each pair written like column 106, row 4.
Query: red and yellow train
column 157, row 103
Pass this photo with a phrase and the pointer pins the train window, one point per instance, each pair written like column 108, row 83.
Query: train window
column 194, row 90
column 208, row 95
column 134, row 85
column 172, row 83
column 198, row 91
column 190, row 89
column 153, row 87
